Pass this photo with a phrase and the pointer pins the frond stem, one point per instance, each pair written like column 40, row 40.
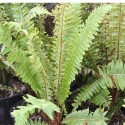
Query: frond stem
column 60, row 57
column 119, row 32
column 46, row 97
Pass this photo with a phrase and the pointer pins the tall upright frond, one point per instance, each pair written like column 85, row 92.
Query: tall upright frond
column 19, row 12
column 113, row 32
column 71, row 45
column 84, row 118
column 23, row 114
column 67, row 21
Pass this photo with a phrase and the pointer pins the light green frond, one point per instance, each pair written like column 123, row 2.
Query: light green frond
column 22, row 115
column 22, row 16
column 7, row 65
column 40, row 63
column 88, row 91
column 20, row 12
column 83, row 117
column 112, row 75
column 8, row 11
column 113, row 32
column 24, row 68
column 102, row 98
column 37, row 11
column 67, row 21
column 29, row 42
column 71, row 42
column 80, row 42
column 116, row 71
column 14, row 26
column 3, row 15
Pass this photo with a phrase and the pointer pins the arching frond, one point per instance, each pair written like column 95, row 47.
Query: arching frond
column 70, row 43
column 102, row 98
column 84, row 118
column 112, row 75
column 113, row 32
column 23, row 114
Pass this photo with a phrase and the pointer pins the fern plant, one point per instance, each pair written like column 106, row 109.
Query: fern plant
column 50, row 75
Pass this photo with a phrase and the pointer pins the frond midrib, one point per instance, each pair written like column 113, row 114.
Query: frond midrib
column 60, row 56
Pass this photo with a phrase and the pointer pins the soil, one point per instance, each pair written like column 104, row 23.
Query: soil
column 118, row 118
column 10, row 95
column 15, row 87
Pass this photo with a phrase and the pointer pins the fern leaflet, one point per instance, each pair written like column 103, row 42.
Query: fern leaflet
column 83, row 117
column 23, row 114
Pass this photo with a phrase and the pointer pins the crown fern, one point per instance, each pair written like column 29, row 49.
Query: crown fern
column 50, row 76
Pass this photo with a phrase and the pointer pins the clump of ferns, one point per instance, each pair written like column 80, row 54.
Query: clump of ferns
column 50, row 76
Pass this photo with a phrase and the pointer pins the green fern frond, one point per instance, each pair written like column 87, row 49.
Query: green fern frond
column 102, row 98
column 7, row 65
column 81, row 42
column 40, row 63
column 112, row 75
column 24, row 68
column 20, row 12
column 93, row 56
column 88, row 91
column 113, row 32
column 37, row 11
column 8, row 11
column 22, row 16
column 66, row 24
column 15, row 56
column 74, row 44
column 36, row 60
column 83, row 117
column 14, row 26
column 3, row 15
column 23, row 113
column 118, row 104
column 116, row 71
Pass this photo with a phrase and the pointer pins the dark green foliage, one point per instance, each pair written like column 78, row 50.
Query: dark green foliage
column 23, row 113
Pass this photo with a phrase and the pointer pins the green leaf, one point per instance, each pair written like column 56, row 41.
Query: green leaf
column 22, row 114
column 84, row 117
column 102, row 98
column 37, row 11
